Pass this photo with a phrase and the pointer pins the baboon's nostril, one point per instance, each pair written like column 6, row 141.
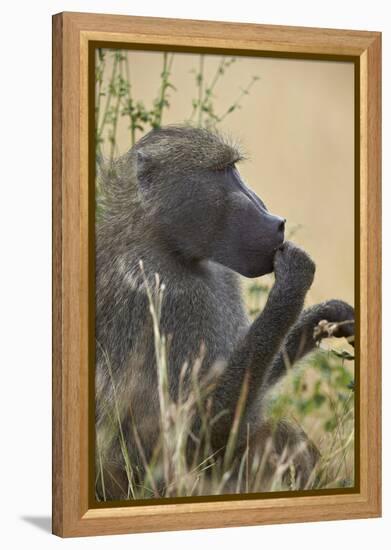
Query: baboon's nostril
column 281, row 226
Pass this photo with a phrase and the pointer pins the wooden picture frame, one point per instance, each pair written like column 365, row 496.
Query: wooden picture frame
column 73, row 514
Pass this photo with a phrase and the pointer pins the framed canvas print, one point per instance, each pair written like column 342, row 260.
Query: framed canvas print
column 216, row 274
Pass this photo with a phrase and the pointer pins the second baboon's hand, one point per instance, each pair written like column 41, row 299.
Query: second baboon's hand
column 293, row 268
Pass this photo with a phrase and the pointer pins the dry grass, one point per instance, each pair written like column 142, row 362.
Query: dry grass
column 318, row 395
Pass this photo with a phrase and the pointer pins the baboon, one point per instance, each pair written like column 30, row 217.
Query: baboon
column 177, row 203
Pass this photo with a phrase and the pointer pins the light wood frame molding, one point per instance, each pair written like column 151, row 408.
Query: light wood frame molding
column 72, row 32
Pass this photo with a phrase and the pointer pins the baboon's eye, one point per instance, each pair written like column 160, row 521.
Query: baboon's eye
column 225, row 167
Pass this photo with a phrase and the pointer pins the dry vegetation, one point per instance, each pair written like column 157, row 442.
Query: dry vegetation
column 318, row 395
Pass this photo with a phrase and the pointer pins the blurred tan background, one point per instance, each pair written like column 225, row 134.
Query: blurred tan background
column 296, row 124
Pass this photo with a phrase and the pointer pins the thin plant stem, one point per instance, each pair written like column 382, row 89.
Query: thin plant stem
column 161, row 362
column 236, row 103
column 116, row 113
column 167, row 65
column 162, row 90
column 130, row 102
column 101, row 475
column 128, row 466
column 109, row 96
column 216, row 76
column 200, row 80
column 240, row 406
column 99, row 77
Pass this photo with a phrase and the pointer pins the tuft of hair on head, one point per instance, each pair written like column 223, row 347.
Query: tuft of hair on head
column 190, row 146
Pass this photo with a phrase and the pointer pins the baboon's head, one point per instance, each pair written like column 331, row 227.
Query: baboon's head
column 194, row 196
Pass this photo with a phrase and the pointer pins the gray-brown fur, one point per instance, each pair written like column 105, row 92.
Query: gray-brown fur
column 165, row 203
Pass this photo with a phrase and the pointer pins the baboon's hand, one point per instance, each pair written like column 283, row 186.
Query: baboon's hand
column 293, row 268
column 337, row 320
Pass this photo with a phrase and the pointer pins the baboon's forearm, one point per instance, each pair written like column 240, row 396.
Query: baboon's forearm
column 301, row 338
column 268, row 331
column 256, row 351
